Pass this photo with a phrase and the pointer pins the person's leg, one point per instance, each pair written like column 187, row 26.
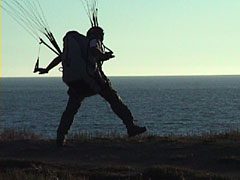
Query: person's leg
column 121, row 110
column 67, row 118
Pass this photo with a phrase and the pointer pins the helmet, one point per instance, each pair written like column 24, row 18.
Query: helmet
column 95, row 32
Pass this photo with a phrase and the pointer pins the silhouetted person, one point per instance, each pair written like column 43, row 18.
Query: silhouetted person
column 86, row 78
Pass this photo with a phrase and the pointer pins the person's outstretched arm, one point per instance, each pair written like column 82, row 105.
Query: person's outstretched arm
column 52, row 64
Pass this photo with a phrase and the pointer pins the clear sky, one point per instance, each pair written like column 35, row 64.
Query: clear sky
column 155, row 37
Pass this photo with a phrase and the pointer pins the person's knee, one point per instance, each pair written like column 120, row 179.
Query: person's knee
column 111, row 95
column 70, row 112
column 72, row 106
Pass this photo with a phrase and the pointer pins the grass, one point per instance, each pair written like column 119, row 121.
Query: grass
column 30, row 170
column 24, row 134
column 19, row 134
column 112, row 156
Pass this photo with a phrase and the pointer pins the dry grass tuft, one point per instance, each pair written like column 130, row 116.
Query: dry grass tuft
column 19, row 134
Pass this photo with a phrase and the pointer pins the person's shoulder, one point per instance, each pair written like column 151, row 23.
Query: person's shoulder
column 93, row 42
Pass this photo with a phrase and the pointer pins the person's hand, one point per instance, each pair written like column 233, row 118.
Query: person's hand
column 42, row 71
column 109, row 55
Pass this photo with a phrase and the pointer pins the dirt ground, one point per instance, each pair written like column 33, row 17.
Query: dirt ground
column 220, row 156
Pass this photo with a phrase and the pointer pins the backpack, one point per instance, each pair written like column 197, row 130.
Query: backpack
column 74, row 56
column 76, row 67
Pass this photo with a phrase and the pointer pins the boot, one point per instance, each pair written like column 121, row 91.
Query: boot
column 135, row 130
column 60, row 140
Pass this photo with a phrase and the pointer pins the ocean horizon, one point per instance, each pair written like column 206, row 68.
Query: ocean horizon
column 166, row 105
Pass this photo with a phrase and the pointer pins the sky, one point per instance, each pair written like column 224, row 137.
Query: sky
column 149, row 38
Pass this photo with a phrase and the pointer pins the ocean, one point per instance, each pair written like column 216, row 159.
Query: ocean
column 170, row 105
